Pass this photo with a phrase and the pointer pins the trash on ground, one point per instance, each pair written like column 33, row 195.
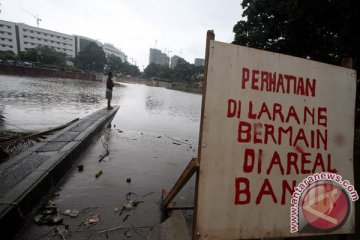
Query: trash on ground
column 49, row 215
column 147, row 194
column 120, row 131
column 128, row 195
column 51, row 219
column 66, row 212
column 159, row 136
column 175, row 143
column 94, row 219
column 128, row 180
column 127, row 234
column 62, row 231
column 129, row 205
column 74, row 213
column 116, row 210
column 80, row 168
column 98, row 173
column 126, row 217
column 56, row 194
column 102, row 157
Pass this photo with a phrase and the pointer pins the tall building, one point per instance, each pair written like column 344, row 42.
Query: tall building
column 157, row 57
column 8, row 36
column 174, row 61
column 199, row 62
column 17, row 37
column 110, row 49
column 32, row 37
column 82, row 42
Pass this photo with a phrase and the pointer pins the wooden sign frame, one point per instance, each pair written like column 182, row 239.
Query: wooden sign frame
column 206, row 230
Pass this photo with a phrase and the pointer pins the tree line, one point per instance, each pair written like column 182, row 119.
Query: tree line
column 182, row 72
column 322, row 30
column 91, row 59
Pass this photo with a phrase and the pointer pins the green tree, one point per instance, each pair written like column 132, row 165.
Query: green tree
column 114, row 64
column 324, row 30
column 129, row 69
column 184, row 71
column 7, row 55
column 92, row 58
column 152, row 70
column 44, row 55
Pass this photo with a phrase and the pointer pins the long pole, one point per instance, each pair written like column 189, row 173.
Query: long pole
column 210, row 36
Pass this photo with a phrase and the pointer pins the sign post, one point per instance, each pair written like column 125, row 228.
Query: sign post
column 269, row 121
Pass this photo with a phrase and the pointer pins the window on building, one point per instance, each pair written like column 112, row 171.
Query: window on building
column 1, row 25
column 11, row 46
column 45, row 34
column 24, row 30
column 8, row 27
column 32, row 37
column 31, row 31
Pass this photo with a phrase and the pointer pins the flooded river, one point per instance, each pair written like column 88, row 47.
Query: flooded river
column 153, row 137
column 36, row 103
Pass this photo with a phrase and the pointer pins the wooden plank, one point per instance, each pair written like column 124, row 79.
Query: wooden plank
column 190, row 169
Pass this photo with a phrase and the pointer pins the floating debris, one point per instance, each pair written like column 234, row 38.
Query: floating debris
column 98, row 173
column 126, row 217
column 147, row 194
column 129, row 205
column 127, row 234
column 62, row 231
column 80, row 167
column 94, row 219
column 48, row 219
column 103, row 156
column 128, row 180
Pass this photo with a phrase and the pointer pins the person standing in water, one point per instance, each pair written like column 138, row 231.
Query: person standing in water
column 109, row 88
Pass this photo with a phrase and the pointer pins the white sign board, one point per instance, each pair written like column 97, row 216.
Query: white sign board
column 270, row 120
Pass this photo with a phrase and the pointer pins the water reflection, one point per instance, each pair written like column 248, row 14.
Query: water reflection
column 35, row 103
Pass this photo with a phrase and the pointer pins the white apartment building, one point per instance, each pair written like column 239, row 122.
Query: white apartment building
column 32, row 37
column 110, row 49
column 8, row 36
column 19, row 37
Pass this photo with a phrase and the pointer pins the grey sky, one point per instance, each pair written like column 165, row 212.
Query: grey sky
column 134, row 25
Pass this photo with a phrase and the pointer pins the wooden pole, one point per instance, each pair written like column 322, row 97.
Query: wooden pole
column 210, row 36
column 191, row 168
